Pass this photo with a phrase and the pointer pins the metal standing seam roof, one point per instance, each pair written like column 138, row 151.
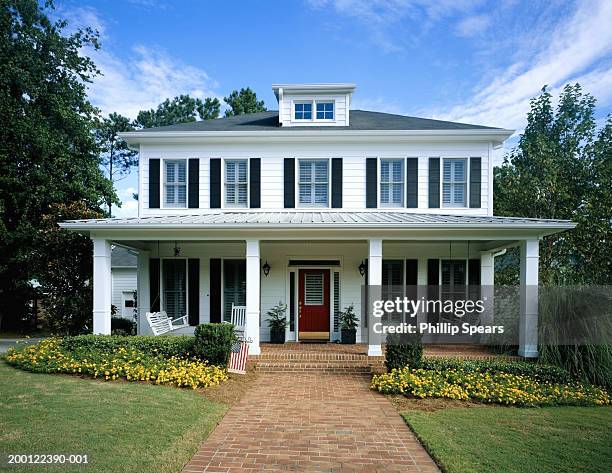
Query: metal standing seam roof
column 325, row 219
column 360, row 120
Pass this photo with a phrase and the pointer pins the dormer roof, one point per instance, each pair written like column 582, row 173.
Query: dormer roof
column 325, row 89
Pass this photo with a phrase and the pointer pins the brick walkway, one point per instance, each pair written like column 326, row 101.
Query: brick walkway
column 312, row 423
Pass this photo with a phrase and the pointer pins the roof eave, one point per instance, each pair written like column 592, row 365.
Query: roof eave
column 496, row 135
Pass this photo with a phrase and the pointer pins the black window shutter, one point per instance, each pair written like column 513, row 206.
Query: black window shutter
column 433, row 272
column 193, row 305
column 434, row 183
column 289, row 187
column 475, row 173
column 193, row 195
column 215, row 290
column 154, row 284
column 412, row 266
column 474, row 272
column 154, row 183
column 215, row 183
column 255, row 183
column 336, row 174
column 371, row 183
column 412, row 192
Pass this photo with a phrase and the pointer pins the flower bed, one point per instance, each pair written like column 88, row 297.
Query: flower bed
column 51, row 356
column 488, row 387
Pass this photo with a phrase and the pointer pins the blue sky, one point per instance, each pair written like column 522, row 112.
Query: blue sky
column 475, row 61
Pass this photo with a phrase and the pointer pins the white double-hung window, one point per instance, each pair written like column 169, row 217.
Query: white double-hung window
column 392, row 182
column 236, row 182
column 454, row 182
column 175, row 183
column 313, row 183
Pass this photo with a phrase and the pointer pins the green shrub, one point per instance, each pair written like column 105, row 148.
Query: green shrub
column 122, row 326
column 166, row 346
column 539, row 371
column 213, row 343
column 403, row 351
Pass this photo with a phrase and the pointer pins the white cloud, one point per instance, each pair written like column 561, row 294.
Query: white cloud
column 381, row 17
column 576, row 50
column 143, row 80
column 473, row 25
column 140, row 79
column 129, row 208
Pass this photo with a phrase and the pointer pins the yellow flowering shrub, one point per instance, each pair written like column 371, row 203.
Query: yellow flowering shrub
column 48, row 356
column 488, row 387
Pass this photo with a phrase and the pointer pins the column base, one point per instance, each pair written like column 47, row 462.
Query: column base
column 101, row 322
column 374, row 350
column 528, row 351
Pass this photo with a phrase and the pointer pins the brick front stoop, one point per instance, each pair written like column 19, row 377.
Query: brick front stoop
column 311, row 422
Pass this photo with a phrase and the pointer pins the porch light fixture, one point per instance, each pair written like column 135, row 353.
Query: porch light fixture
column 362, row 268
column 266, row 269
column 177, row 250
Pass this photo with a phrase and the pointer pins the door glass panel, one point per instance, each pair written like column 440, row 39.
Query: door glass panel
column 313, row 289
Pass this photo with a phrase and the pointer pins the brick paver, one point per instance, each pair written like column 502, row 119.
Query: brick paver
column 312, row 422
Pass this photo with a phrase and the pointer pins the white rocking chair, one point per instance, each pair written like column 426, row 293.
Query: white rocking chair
column 160, row 323
column 238, row 319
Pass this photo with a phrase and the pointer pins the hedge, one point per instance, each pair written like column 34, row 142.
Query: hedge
column 166, row 346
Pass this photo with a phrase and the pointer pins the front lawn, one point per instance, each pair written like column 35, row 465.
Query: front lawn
column 506, row 440
column 121, row 426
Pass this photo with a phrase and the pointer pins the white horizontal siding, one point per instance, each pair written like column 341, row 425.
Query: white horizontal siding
column 353, row 155
column 123, row 280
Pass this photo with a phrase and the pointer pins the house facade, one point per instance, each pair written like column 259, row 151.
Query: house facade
column 306, row 205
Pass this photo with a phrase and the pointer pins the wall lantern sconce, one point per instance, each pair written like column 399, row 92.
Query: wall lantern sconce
column 266, row 269
column 177, row 250
column 362, row 268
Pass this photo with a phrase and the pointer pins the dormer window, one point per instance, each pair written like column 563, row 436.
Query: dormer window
column 325, row 110
column 303, row 111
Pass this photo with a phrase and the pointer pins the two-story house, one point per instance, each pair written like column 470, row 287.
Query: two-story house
column 305, row 205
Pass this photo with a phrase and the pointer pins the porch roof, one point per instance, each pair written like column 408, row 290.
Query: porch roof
column 296, row 219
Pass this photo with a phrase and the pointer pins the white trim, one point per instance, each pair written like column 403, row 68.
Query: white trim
column 224, row 204
column 402, row 204
column 162, row 184
column 313, row 206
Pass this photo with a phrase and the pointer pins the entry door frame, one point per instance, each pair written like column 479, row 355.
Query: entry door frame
column 296, row 269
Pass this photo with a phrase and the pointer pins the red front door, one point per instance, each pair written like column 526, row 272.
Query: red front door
column 313, row 304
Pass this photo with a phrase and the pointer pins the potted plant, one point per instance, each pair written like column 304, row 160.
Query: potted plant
column 277, row 323
column 348, row 325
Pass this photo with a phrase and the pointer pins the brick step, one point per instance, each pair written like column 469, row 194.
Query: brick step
column 309, row 367
column 315, row 357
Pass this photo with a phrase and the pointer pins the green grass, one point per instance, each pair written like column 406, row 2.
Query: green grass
column 123, row 427
column 504, row 440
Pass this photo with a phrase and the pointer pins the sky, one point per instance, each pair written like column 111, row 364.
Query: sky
column 473, row 61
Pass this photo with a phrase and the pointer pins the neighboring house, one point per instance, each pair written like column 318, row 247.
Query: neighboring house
column 123, row 280
column 321, row 197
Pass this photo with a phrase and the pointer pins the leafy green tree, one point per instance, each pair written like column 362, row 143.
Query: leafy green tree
column 181, row 109
column 242, row 102
column 561, row 169
column 48, row 153
column 117, row 157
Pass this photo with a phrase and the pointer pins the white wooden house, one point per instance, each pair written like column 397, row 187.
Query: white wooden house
column 310, row 192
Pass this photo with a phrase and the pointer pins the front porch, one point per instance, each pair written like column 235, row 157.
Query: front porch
column 202, row 278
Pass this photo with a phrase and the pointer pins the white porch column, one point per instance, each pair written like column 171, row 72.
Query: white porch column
column 101, row 286
column 487, row 280
column 144, row 291
column 528, row 327
column 253, row 274
column 375, row 279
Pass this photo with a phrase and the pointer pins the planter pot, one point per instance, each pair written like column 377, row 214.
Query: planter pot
column 348, row 336
column 277, row 336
